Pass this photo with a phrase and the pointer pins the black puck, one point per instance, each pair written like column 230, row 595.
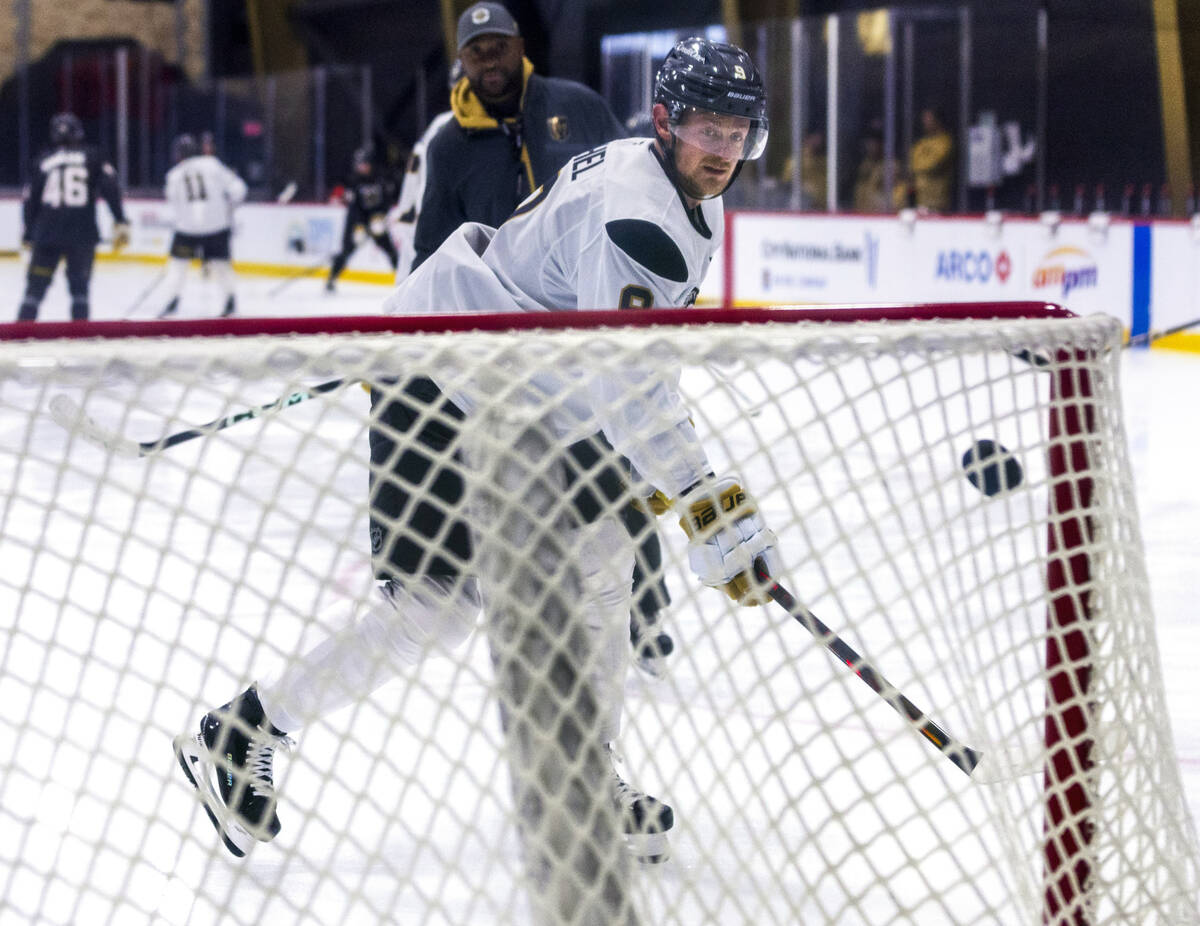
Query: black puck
column 992, row 468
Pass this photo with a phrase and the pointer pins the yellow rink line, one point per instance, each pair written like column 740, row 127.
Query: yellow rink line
column 1184, row 341
column 384, row 278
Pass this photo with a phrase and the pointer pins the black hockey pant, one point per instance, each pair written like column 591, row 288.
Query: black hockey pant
column 383, row 242
column 434, row 538
column 42, row 264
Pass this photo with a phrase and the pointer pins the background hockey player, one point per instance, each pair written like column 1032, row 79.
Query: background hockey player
column 633, row 224
column 59, row 213
column 201, row 193
column 369, row 194
column 510, row 131
column 412, row 190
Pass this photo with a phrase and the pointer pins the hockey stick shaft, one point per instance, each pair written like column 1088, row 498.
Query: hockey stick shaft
column 298, row 275
column 310, row 270
column 70, row 416
column 150, row 287
column 220, row 424
column 1147, row 337
column 960, row 754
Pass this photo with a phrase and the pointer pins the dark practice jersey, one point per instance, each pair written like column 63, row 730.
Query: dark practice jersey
column 60, row 203
column 370, row 196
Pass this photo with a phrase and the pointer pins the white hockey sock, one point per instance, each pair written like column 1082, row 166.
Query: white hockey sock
column 606, row 567
column 173, row 281
column 396, row 631
column 222, row 271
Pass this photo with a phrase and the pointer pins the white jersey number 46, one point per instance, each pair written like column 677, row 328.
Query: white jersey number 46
column 66, row 186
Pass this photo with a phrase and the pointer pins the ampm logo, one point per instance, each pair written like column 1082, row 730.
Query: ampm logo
column 1067, row 268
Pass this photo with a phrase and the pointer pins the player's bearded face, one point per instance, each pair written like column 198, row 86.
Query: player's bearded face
column 492, row 64
column 708, row 147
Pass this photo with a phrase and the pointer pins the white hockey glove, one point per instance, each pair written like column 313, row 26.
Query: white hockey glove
column 726, row 536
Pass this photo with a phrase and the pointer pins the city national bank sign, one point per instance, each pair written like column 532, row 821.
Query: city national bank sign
column 780, row 261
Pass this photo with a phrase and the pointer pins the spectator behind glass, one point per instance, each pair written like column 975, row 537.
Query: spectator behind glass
column 814, row 167
column 869, row 194
column 931, row 163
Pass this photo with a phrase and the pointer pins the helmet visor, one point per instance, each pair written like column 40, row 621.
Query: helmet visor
column 726, row 136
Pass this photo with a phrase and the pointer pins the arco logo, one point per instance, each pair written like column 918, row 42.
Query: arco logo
column 1066, row 268
column 967, row 266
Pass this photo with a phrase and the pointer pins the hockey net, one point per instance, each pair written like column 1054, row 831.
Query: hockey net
column 145, row 584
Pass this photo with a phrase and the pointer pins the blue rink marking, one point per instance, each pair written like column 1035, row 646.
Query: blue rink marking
column 1139, row 322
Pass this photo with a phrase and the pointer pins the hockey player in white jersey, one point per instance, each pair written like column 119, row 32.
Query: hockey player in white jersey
column 201, row 193
column 411, row 192
column 633, row 224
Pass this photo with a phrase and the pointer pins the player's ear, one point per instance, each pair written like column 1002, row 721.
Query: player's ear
column 662, row 128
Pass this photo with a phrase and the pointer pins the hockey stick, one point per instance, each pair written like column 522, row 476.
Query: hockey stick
column 68, row 414
column 961, row 755
column 1146, row 337
column 298, row 275
column 145, row 292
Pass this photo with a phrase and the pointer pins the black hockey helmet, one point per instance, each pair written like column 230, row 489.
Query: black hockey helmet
column 66, row 129
column 713, row 77
column 364, row 155
column 184, row 147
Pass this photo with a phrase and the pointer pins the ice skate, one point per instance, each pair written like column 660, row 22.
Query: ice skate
column 645, row 820
column 650, row 648
column 229, row 763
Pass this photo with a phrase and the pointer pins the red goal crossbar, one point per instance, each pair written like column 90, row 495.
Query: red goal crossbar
column 527, row 321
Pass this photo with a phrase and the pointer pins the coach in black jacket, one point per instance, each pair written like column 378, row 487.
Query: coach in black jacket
column 511, row 132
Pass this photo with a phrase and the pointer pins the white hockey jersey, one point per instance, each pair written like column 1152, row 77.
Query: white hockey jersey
column 201, row 193
column 406, row 211
column 611, row 231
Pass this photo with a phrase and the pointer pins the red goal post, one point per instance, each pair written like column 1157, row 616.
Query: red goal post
column 1114, row 838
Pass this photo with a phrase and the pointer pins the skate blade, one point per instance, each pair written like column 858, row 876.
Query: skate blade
column 193, row 759
column 648, row 848
column 652, row 666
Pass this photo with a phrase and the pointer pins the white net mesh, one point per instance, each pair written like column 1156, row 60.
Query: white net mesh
column 140, row 592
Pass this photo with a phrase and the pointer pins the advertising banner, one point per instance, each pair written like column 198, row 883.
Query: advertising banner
column 1087, row 266
column 786, row 258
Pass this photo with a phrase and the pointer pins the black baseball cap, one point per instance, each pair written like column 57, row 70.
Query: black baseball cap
column 485, row 19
